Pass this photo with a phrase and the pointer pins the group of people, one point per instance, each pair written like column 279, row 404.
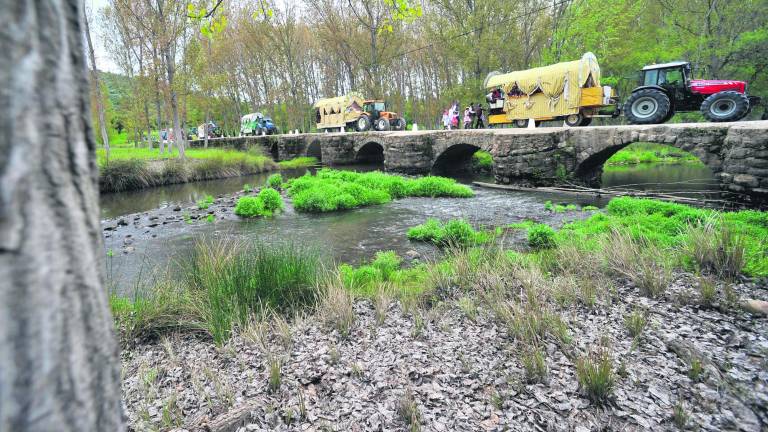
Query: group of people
column 474, row 117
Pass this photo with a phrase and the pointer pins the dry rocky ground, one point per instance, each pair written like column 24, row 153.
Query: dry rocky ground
column 448, row 368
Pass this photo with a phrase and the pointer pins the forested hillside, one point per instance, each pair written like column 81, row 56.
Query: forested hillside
column 278, row 57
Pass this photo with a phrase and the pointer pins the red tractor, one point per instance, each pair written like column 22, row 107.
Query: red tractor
column 669, row 88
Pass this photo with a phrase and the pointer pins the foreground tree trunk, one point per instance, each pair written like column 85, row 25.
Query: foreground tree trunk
column 97, row 88
column 59, row 367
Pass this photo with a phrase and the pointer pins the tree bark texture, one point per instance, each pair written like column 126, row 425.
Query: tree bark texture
column 59, row 368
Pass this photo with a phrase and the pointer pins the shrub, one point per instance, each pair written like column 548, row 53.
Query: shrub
column 275, row 181
column 266, row 203
column 249, row 207
column 271, row 200
column 541, row 236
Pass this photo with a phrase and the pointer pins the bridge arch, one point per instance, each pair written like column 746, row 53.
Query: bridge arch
column 455, row 158
column 369, row 153
column 590, row 169
column 315, row 150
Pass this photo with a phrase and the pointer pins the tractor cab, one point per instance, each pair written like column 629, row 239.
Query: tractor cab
column 374, row 108
column 675, row 79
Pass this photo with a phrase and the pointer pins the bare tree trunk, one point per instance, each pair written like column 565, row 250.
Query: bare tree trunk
column 178, row 137
column 97, row 87
column 59, row 366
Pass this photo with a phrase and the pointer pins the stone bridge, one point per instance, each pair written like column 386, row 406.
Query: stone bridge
column 737, row 153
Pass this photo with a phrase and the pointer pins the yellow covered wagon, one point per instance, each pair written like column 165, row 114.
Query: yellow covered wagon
column 570, row 91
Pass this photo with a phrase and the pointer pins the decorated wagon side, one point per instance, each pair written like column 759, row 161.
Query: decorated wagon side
column 569, row 91
column 353, row 112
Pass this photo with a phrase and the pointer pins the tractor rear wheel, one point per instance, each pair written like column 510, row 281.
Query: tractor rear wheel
column 382, row 124
column 725, row 106
column 363, row 123
column 647, row 106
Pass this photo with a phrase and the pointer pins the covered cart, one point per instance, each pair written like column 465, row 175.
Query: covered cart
column 569, row 91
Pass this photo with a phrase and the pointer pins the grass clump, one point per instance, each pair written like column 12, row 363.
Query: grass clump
column 482, row 161
column 219, row 287
column 204, row 203
column 679, row 415
column 275, row 181
column 332, row 190
column 408, row 410
column 595, row 374
column 456, row 232
column 534, row 364
column 635, row 323
column 541, row 236
column 266, row 203
column 299, row 162
column 337, row 309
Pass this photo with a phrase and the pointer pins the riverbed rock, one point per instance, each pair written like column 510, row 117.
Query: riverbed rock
column 756, row 307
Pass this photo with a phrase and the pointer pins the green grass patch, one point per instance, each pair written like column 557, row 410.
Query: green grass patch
column 299, row 162
column 204, row 203
column 331, row 190
column 671, row 227
column 541, row 236
column 130, row 168
column 561, row 208
column 383, row 272
column 266, row 203
column 275, row 181
column 482, row 161
column 651, row 153
column 457, row 232
column 222, row 286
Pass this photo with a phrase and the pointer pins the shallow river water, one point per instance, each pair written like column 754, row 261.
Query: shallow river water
column 136, row 252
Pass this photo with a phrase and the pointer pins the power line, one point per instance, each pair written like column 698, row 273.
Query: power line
column 483, row 27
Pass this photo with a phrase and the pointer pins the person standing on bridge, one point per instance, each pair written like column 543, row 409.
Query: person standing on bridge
column 479, row 121
column 446, row 120
column 467, row 118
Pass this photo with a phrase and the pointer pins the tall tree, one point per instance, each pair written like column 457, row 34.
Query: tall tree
column 96, row 83
column 59, row 368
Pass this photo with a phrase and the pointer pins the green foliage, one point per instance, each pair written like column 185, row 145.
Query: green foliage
column 275, row 181
column 248, row 188
column 541, row 236
column 456, row 232
column 647, row 153
column 299, row 162
column 204, row 203
column 482, row 161
column 210, row 218
column 670, row 227
column 271, row 200
column 266, row 204
column 332, row 190
column 383, row 273
column 250, row 207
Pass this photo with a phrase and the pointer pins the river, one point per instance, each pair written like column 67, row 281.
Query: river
column 137, row 253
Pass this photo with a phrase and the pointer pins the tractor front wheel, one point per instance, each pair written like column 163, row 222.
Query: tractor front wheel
column 399, row 124
column 725, row 106
column 647, row 106
column 363, row 123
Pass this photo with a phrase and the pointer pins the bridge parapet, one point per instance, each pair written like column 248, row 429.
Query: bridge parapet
column 737, row 153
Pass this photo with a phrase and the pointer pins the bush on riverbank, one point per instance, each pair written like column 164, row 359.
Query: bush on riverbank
column 331, row 190
column 221, row 287
column 142, row 168
column 456, row 232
